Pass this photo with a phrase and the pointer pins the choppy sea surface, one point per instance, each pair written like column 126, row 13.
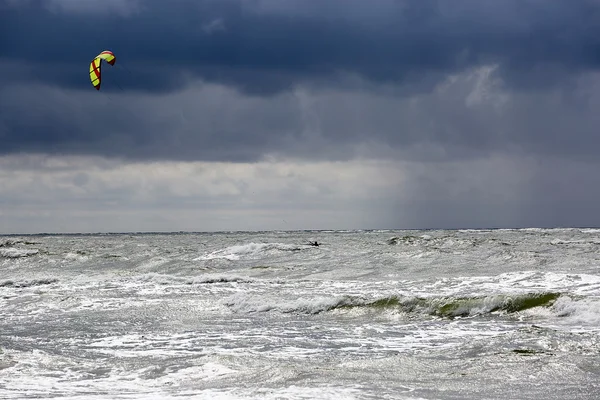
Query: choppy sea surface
column 461, row 314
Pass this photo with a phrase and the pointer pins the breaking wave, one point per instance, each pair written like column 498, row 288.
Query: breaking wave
column 207, row 279
column 250, row 250
column 446, row 307
column 444, row 242
column 25, row 284
column 11, row 252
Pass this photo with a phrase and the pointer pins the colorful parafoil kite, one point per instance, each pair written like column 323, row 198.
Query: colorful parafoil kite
column 95, row 76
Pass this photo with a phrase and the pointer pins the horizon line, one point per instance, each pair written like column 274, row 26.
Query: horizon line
column 186, row 232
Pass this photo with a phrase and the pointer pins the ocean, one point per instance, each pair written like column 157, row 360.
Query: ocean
column 431, row 314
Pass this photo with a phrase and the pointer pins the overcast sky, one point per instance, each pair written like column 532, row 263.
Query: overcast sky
column 299, row 114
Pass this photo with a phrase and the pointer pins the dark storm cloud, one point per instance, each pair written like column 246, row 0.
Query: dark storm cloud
column 217, row 125
column 214, row 122
column 310, row 79
column 265, row 46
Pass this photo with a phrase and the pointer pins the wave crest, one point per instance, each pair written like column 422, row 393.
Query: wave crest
column 11, row 252
column 25, row 284
column 446, row 307
column 250, row 250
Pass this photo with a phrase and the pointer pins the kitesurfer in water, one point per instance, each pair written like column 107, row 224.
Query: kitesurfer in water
column 315, row 243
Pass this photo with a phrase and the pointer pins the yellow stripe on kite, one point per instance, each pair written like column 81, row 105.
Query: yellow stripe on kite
column 95, row 77
column 95, row 72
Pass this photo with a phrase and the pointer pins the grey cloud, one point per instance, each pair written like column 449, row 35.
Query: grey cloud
column 123, row 8
column 489, row 107
column 468, row 116
column 209, row 123
column 274, row 45
column 213, row 26
column 501, row 192
column 303, row 79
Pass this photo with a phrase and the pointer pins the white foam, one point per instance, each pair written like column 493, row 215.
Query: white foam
column 291, row 392
column 157, row 325
column 71, row 256
column 12, row 252
column 590, row 230
column 578, row 313
column 40, row 374
column 153, row 263
column 248, row 250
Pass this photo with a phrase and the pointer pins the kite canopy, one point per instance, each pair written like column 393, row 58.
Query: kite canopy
column 107, row 56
